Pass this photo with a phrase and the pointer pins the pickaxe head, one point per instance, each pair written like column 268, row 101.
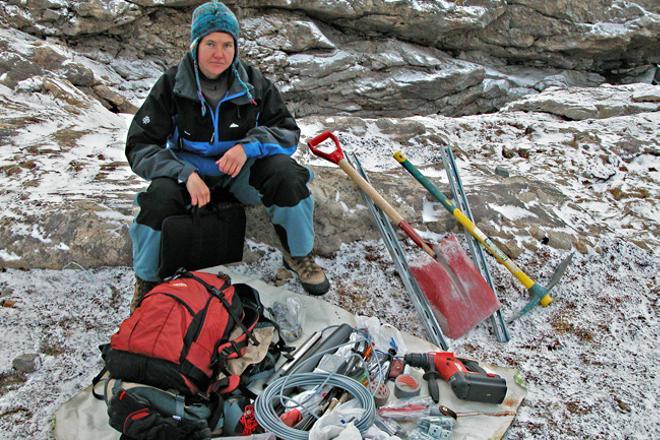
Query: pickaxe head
column 540, row 294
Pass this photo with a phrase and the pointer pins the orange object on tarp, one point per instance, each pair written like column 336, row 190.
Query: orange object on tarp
column 458, row 294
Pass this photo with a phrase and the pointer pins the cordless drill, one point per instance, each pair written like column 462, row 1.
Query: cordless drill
column 467, row 379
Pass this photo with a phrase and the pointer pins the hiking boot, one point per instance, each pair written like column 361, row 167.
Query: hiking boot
column 309, row 273
column 141, row 288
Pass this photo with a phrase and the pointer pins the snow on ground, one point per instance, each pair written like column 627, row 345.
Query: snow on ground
column 56, row 154
column 609, row 169
column 590, row 359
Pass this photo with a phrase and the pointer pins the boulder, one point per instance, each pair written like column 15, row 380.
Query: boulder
column 15, row 68
column 90, row 234
column 47, row 57
column 592, row 103
column 113, row 100
column 79, row 75
column 62, row 89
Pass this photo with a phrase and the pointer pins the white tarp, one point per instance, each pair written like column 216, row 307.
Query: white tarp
column 83, row 417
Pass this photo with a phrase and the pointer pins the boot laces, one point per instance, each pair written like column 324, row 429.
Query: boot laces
column 307, row 265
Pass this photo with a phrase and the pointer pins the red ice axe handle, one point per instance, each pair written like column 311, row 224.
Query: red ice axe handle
column 334, row 156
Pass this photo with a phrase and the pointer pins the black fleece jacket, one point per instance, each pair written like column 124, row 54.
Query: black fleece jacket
column 169, row 137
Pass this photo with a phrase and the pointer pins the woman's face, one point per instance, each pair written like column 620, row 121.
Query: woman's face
column 215, row 54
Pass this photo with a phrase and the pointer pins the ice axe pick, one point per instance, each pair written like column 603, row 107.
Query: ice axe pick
column 539, row 294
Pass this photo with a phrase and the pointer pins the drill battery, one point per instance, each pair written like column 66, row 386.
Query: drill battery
column 477, row 385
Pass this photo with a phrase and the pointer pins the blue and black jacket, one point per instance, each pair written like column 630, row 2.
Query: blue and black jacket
column 169, row 136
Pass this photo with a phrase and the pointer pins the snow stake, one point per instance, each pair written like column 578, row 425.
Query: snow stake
column 460, row 199
column 452, row 284
column 417, row 297
column 540, row 294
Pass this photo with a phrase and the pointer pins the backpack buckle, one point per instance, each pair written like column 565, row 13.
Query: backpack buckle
column 224, row 277
column 178, row 274
column 236, row 349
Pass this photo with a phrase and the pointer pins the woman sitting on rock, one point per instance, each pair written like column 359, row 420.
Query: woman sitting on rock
column 214, row 121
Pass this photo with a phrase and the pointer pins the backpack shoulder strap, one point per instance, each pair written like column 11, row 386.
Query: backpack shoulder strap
column 218, row 294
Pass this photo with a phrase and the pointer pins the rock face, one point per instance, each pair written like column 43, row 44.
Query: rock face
column 566, row 34
column 368, row 58
column 561, row 159
column 600, row 103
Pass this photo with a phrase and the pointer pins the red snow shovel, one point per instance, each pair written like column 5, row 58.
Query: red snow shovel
column 456, row 290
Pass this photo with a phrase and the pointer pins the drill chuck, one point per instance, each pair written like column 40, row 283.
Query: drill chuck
column 417, row 360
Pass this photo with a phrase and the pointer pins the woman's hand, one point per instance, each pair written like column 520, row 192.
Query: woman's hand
column 232, row 161
column 199, row 192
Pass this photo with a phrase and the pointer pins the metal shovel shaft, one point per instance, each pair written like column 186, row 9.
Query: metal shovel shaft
column 417, row 296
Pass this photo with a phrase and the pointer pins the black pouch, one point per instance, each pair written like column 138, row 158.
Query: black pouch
column 209, row 236
column 136, row 419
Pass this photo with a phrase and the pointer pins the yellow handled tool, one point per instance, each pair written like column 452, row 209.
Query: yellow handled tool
column 540, row 294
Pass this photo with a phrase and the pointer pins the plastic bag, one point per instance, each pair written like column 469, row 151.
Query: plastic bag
column 388, row 426
column 435, row 428
column 338, row 424
column 289, row 315
column 335, row 432
column 384, row 335
column 407, row 409
column 375, row 433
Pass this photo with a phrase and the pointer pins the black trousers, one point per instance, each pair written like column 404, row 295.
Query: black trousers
column 278, row 182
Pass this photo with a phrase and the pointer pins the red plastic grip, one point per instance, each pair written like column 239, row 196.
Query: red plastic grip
column 334, row 156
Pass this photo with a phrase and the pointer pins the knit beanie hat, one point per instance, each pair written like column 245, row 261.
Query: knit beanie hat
column 208, row 18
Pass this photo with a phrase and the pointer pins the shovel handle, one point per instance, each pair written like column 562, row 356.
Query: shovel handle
column 337, row 156
column 334, row 156
column 383, row 204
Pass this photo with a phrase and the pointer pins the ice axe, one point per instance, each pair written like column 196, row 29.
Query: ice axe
column 540, row 294
column 453, row 286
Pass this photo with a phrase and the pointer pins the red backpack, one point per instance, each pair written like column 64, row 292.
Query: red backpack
column 179, row 335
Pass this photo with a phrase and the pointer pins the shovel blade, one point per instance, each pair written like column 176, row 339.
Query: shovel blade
column 457, row 292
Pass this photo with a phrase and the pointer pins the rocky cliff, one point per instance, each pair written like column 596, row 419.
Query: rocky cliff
column 558, row 97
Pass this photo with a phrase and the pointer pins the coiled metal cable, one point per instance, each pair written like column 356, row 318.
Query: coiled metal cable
column 270, row 420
